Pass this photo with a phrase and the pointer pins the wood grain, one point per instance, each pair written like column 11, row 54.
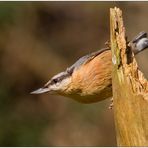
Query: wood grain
column 130, row 89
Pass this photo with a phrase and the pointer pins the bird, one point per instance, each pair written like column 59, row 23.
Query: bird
column 89, row 79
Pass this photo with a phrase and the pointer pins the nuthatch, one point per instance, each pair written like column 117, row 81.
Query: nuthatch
column 89, row 79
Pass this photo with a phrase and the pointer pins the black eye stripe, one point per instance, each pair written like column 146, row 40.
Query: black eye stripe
column 55, row 80
column 59, row 79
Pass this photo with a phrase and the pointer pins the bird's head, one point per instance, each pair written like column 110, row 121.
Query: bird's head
column 58, row 84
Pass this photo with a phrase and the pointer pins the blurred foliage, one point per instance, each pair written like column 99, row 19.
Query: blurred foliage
column 40, row 39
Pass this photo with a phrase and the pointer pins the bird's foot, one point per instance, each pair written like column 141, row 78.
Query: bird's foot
column 111, row 104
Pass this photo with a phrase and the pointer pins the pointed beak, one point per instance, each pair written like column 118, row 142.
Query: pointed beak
column 40, row 91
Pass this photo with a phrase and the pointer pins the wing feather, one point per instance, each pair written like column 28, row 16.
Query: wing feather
column 85, row 59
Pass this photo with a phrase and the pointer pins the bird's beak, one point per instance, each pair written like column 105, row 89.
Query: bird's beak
column 40, row 91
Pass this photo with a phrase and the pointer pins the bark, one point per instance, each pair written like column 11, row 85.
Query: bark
column 130, row 88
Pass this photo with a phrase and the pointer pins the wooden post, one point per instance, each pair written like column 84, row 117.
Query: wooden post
column 130, row 89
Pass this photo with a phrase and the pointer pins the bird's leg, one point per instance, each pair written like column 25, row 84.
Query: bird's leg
column 111, row 104
column 107, row 43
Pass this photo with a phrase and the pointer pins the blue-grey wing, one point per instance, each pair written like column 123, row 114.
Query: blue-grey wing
column 85, row 59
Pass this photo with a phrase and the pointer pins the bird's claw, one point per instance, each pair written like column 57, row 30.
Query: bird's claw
column 111, row 105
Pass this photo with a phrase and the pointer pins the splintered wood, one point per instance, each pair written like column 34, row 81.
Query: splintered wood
column 130, row 88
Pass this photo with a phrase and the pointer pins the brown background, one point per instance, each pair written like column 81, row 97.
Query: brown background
column 40, row 39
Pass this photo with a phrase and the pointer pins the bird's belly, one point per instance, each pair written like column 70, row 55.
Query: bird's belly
column 94, row 97
column 92, row 82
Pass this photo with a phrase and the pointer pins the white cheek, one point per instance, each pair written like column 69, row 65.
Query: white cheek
column 54, row 87
column 61, row 86
column 64, row 84
column 57, row 87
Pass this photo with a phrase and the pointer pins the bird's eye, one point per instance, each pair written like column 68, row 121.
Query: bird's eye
column 55, row 80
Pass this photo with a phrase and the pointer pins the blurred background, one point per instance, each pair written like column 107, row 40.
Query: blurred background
column 40, row 39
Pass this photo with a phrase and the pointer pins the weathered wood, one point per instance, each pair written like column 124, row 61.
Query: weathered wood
column 130, row 89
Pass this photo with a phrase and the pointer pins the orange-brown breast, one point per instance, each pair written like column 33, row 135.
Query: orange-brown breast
column 94, row 77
